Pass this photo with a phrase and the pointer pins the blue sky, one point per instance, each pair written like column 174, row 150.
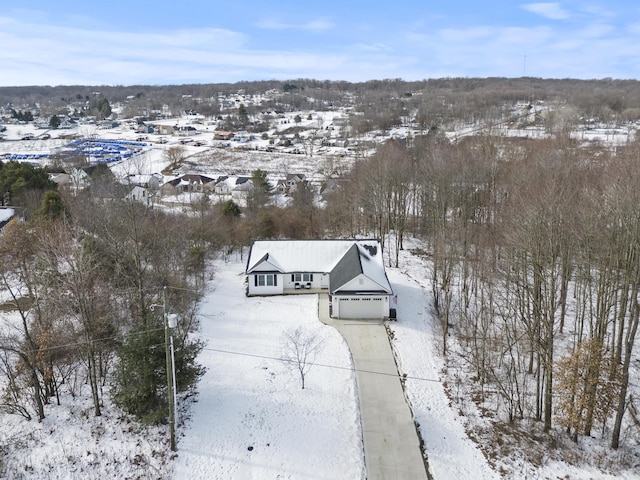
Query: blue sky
column 191, row 41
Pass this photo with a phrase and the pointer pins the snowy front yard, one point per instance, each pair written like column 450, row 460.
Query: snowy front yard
column 252, row 420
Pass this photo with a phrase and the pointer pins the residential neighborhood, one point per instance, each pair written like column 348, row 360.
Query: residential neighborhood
column 320, row 280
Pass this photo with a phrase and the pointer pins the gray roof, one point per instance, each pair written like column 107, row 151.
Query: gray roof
column 348, row 268
column 359, row 260
column 343, row 259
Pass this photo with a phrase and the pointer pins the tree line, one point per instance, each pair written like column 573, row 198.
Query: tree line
column 381, row 103
column 533, row 249
column 81, row 279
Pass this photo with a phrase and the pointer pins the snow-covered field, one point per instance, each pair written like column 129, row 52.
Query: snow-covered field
column 253, row 421
column 250, row 418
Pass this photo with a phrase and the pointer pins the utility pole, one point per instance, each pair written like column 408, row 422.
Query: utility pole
column 170, row 373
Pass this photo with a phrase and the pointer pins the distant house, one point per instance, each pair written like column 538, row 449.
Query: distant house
column 80, row 179
column 184, row 130
column 62, row 179
column 145, row 129
column 226, row 185
column 243, row 136
column 140, row 194
column 221, row 135
column 350, row 271
column 164, row 129
column 6, row 215
column 331, row 186
column 291, row 183
column 281, row 186
column 188, row 183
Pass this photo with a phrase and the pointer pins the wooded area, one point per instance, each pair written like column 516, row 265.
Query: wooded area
column 533, row 249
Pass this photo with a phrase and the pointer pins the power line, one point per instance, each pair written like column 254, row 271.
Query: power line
column 335, row 367
column 102, row 339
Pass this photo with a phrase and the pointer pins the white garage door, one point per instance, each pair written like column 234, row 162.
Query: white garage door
column 361, row 307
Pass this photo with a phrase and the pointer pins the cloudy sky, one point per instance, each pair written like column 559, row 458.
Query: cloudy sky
column 116, row 42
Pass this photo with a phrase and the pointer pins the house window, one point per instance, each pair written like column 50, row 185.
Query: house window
column 269, row 280
column 302, row 277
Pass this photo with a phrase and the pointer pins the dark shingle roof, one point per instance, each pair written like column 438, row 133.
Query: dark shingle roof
column 348, row 268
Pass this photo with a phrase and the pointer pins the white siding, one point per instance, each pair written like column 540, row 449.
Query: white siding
column 360, row 284
column 291, row 279
column 260, row 286
column 360, row 306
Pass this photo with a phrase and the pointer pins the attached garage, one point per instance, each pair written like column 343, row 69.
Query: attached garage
column 365, row 306
column 351, row 270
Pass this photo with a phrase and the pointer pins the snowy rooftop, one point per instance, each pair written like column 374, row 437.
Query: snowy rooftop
column 308, row 255
column 6, row 214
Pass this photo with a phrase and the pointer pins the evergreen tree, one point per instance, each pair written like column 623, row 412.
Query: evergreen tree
column 18, row 177
column 260, row 193
column 53, row 207
column 140, row 380
column 22, row 116
column 230, row 209
column 140, row 377
column 243, row 116
column 101, row 107
column 54, row 121
column 260, row 180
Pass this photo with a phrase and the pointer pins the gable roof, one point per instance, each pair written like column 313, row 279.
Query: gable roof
column 348, row 268
column 266, row 263
column 345, row 260
column 233, row 181
column 359, row 260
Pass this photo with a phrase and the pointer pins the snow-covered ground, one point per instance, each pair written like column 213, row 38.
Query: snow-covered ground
column 451, row 454
column 252, row 419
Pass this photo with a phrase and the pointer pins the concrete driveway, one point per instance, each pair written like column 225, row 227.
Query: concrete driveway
column 391, row 444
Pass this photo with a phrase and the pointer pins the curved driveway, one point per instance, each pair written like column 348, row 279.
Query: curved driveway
column 391, row 444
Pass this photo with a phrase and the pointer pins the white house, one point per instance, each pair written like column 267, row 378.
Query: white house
column 140, row 194
column 350, row 271
column 227, row 184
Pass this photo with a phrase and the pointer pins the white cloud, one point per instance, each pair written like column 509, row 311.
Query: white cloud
column 525, row 36
column 317, row 25
column 372, row 47
column 552, row 11
column 56, row 55
column 273, row 24
column 84, row 54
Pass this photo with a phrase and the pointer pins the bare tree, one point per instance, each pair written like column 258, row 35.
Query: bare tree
column 84, row 297
column 299, row 351
column 18, row 275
